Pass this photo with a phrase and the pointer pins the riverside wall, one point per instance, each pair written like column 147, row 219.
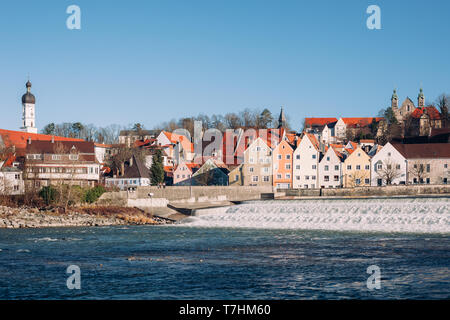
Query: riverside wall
column 161, row 197
column 386, row 191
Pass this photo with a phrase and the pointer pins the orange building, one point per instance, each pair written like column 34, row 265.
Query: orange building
column 282, row 165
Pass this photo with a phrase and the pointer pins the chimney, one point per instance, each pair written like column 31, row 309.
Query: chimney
column 131, row 161
column 53, row 139
column 29, row 140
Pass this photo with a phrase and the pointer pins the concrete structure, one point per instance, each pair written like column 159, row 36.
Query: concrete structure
column 330, row 169
column 356, row 169
column 306, row 163
column 388, row 166
column 282, row 165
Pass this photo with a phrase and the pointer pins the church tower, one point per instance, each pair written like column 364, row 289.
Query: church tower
column 28, row 109
column 394, row 100
column 421, row 99
column 282, row 120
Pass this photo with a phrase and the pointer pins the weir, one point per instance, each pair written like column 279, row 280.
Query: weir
column 417, row 215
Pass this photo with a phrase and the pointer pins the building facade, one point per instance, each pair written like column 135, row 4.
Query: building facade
column 356, row 169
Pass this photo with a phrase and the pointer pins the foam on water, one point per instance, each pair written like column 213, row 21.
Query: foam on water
column 418, row 215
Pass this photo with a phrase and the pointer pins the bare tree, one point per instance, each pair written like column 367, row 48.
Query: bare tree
column 356, row 178
column 389, row 171
column 418, row 171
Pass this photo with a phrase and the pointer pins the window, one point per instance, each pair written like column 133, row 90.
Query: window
column 336, row 178
column 326, row 178
column 313, row 177
column 358, row 181
column 328, row 158
column 389, row 154
column 336, row 168
column 266, row 179
column 255, row 178
column 314, row 156
column 56, row 157
column 279, row 157
column 288, row 175
column 17, row 176
column 288, row 157
column 73, row 157
column 366, row 181
column 236, row 177
column 265, row 170
column 251, row 169
column 367, row 167
column 380, row 166
column 428, row 180
column 349, row 167
column 398, row 167
column 444, row 180
column 16, row 188
column 314, row 166
column 297, row 157
column 445, row 165
column 251, row 160
column 326, row 168
column 428, row 168
column 297, row 167
column 306, row 177
column 279, row 176
column 358, row 167
column 288, row 166
column 297, row 177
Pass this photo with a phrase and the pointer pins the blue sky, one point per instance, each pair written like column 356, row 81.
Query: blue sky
column 151, row 61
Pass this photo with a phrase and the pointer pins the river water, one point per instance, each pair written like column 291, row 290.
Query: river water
column 258, row 250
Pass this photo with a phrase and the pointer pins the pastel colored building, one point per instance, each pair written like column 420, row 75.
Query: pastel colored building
column 282, row 165
column 356, row 169
column 388, row 166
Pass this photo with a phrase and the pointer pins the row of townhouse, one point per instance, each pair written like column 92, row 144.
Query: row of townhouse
column 308, row 164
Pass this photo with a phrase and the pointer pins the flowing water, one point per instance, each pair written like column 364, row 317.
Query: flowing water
column 257, row 250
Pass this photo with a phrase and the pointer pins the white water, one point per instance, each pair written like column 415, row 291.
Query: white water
column 418, row 215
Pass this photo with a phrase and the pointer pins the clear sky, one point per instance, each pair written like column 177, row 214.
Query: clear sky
column 151, row 61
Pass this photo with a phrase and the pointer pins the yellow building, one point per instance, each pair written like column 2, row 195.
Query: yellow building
column 356, row 169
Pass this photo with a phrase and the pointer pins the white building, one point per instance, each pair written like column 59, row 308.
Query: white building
column 11, row 179
column 330, row 169
column 388, row 164
column 306, row 163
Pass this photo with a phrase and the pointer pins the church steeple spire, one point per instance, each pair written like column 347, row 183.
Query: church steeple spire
column 394, row 99
column 28, row 110
column 421, row 98
column 282, row 119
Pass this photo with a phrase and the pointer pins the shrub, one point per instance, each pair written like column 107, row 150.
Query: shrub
column 93, row 194
column 49, row 194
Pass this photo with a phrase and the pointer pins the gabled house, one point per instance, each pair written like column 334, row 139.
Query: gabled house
column 282, row 165
column 388, row 166
column 11, row 177
column 135, row 175
column 183, row 173
column 177, row 146
column 356, row 169
column 426, row 163
column 212, row 173
column 257, row 166
column 306, row 163
column 354, row 126
column 330, row 169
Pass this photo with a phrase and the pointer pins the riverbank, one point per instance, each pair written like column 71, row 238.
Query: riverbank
column 15, row 218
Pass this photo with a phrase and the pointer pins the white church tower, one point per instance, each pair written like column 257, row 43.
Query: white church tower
column 29, row 115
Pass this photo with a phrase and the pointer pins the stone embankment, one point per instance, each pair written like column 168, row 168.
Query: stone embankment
column 34, row 218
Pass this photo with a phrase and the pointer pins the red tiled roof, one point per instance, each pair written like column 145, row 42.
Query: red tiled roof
column 309, row 122
column 424, row 150
column 367, row 141
column 360, row 122
column 313, row 139
column 431, row 111
column 19, row 139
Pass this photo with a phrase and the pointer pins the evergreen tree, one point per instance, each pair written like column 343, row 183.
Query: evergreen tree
column 157, row 169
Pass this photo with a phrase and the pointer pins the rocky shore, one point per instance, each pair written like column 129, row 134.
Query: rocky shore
column 34, row 218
